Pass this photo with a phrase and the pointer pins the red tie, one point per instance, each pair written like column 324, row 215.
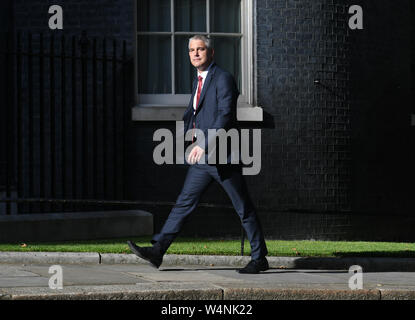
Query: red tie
column 199, row 91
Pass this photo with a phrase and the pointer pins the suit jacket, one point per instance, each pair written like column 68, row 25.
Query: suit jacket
column 216, row 109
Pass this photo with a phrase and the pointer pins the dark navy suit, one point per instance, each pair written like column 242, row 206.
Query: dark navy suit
column 216, row 110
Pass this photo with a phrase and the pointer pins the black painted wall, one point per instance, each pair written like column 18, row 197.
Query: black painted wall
column 381, row 116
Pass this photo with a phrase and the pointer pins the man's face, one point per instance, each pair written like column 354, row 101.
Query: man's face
column 200, row 55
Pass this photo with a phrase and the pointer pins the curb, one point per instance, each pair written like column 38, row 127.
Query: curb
column 49, row 257
column 367, row 264
column 129, row 292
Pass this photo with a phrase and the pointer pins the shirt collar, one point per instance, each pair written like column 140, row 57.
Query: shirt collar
column 204, row 74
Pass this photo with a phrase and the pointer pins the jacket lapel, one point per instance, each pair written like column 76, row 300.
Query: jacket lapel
column 203, row 93
column 190, row 106
column 206, row 87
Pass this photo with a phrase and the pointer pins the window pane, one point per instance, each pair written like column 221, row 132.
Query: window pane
column 190, row 15
column 185, row 72
column 228, row 56
column 154, row 64
column 153, row 15
column 225, row 16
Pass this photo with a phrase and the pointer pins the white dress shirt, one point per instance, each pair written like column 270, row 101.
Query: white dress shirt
column 203, row 74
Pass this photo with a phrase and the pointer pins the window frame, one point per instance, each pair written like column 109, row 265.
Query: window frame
column 168, row 107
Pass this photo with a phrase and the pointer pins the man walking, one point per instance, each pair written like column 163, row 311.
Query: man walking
column 212, row 106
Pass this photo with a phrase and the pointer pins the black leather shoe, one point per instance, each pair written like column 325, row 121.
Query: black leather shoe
column 149, row 254
column 255, row 266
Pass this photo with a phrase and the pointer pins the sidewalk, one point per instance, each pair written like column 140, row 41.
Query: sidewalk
column 94, row 276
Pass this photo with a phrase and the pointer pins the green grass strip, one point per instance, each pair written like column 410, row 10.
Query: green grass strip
column 229, row 247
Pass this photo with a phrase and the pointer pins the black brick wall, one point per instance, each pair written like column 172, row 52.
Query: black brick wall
column 318, row 157
column 381, row 115
column 306, row 157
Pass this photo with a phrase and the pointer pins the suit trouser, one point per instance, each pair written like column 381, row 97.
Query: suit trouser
column 198, row 178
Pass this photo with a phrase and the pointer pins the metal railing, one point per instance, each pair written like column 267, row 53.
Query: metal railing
column 63, row 109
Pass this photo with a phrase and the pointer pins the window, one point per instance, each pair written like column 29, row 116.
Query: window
column 164, row 73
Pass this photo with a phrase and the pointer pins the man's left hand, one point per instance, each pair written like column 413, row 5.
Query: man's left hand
column 195, row 155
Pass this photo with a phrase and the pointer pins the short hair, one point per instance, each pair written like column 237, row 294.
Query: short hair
column 208, row 41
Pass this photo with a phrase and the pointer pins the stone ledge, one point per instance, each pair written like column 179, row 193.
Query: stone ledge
column 245, row 112
column 75, row 226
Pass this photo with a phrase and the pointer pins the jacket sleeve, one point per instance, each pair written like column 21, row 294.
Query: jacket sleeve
column 226, row 95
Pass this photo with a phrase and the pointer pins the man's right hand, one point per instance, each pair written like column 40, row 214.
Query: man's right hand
column 195, row 155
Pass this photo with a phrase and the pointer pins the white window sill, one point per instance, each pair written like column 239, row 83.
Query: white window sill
column 145, row 112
